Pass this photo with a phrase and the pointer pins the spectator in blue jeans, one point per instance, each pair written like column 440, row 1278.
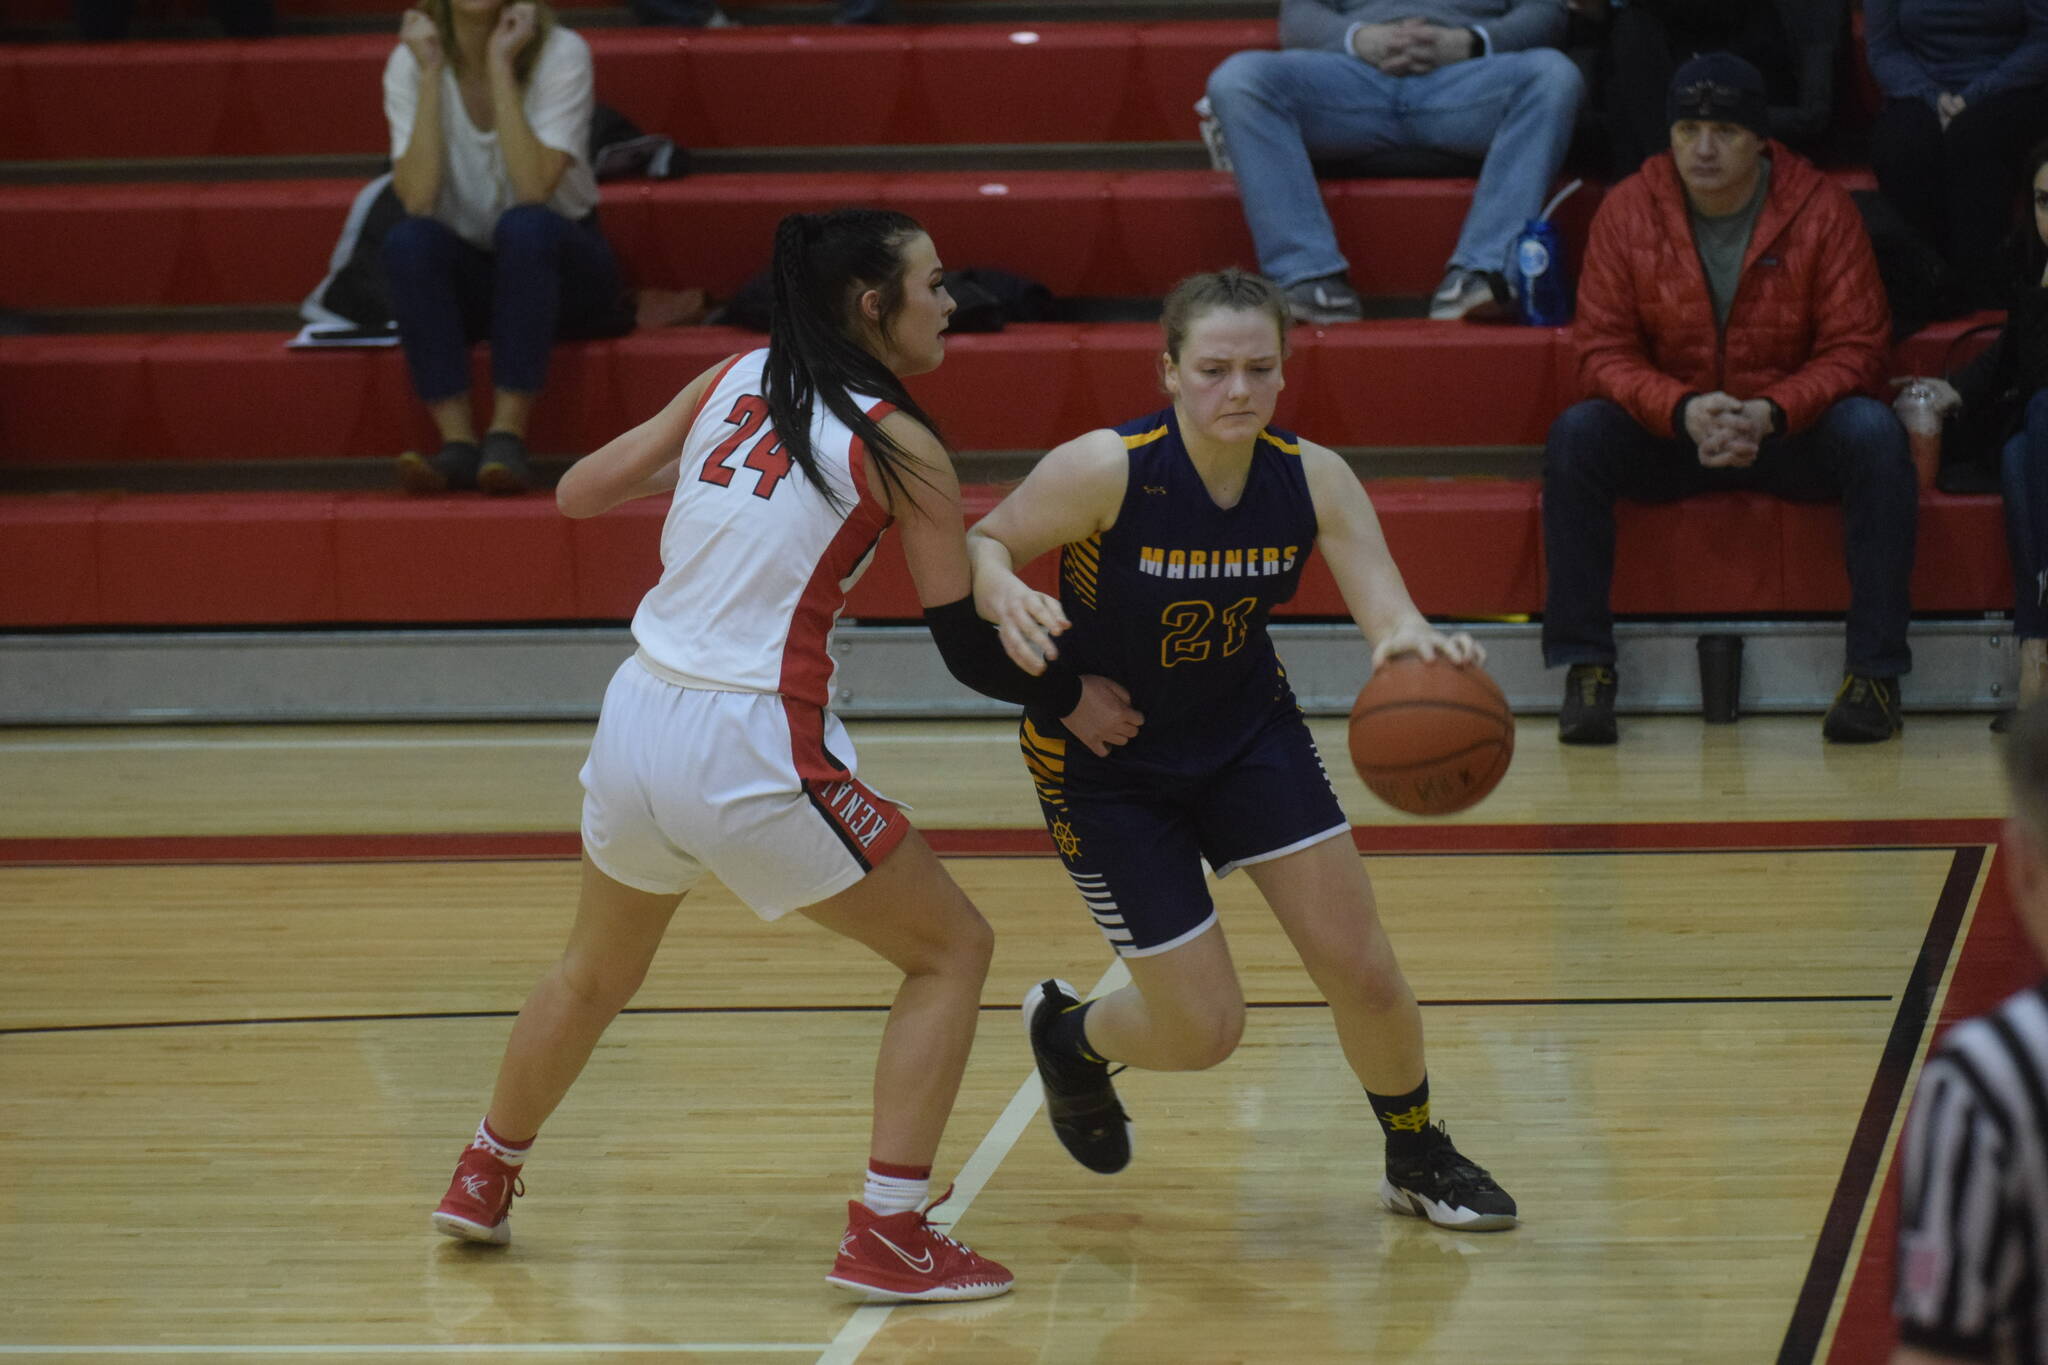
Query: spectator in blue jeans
column 489, row 105
column 1731, row 326
column 1477, row 78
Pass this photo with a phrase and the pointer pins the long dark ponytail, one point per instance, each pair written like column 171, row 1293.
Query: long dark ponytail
column 823, row 261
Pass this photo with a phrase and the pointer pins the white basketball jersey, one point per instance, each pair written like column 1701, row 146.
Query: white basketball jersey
column 755, row 563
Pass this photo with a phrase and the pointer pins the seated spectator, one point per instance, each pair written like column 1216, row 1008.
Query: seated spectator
column 1646, row 40
column 489, row 105
column 2002, row 399
column 1730, row 324
column 1972, row 1255
column 1477, row 78
column 1966, row 93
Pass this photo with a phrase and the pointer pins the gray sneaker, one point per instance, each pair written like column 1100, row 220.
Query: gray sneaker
column 1472, row 295
column 1212, row 136
column 1329, row 299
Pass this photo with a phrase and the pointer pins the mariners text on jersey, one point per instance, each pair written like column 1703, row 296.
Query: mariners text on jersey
column 1256, row 562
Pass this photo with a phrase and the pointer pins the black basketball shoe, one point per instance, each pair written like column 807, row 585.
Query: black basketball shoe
column 1438, row 1184
column 1079, row 1099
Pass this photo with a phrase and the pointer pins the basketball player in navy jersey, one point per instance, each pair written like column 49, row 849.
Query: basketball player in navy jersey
column 1178, row 532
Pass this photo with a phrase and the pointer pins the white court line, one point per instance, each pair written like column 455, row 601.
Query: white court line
column 67, row 746
column 474, row 1348
column 127, row 744
column 1009, row 1126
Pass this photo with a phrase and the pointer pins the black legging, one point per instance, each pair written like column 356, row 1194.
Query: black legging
column 1956, row 187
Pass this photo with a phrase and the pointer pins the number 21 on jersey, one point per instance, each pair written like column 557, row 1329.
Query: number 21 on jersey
column 769, row 461
column 1187, row 629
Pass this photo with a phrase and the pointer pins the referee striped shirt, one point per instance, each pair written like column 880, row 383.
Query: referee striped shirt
column 1973, row 1209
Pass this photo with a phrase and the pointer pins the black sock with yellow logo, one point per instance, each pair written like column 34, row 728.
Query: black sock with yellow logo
column 1067, row 1036
column 1404, row 1118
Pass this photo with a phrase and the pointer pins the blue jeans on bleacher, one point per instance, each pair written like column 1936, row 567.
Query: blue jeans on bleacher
column 2024, row 481
column 1281, row 110
column 545, row 277
column 1856, row 454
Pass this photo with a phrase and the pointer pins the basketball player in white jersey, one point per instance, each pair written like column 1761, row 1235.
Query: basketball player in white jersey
column 715, row 751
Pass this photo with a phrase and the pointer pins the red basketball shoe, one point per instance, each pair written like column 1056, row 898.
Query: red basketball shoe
column 902, row 1258
column 478, row 1205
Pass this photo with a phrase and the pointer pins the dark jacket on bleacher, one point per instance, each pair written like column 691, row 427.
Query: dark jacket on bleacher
column 1808, row 325
column 1919, row 49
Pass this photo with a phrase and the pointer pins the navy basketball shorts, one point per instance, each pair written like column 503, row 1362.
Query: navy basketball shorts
column 1135, row 842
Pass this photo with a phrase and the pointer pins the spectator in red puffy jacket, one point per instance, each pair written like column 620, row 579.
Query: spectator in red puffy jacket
column 1731, row 329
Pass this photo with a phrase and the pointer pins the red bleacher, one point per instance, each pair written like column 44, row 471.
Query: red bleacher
column 242, row 396
column 1080, row 233
column 1469, row 547
column 739, row 87
column 97, row 398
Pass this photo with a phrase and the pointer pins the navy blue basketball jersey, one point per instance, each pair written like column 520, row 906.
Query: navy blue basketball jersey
column 1172, row 600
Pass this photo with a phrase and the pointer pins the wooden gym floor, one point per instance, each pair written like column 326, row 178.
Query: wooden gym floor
column 254, row 982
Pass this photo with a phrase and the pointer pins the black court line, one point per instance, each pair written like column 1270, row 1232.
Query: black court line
column 1887, row 1088
column 1036, row 855
column 655, row 1010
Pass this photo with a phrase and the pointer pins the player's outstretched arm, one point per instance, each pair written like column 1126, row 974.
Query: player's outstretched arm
column 638, row 463
column 1070, row 494
column 1348, row 533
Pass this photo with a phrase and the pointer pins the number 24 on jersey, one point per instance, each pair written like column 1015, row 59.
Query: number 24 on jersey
column 766, row 457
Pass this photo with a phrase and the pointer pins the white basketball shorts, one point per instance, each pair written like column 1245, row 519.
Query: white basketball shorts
column 756, row 788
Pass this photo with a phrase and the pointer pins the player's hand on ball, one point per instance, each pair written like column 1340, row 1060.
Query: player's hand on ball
column 1103, row 716
column 1420, row 638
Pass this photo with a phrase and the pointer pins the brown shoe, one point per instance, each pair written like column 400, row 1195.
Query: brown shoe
column 450, row 469
column 504, row 469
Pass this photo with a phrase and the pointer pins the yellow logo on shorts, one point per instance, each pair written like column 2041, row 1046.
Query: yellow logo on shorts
column 1064, row 838
column 1410, row 1121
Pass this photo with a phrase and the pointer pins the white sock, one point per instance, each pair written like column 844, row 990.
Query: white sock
column 509, row 1153
column 887, row 1194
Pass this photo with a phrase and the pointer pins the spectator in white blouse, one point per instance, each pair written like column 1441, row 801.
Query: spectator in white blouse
column 489, row 105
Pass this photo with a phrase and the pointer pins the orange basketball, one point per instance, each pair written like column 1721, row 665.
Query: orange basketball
column 1431, row 737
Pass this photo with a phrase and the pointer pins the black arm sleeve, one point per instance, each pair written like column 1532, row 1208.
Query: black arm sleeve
column 974, row 654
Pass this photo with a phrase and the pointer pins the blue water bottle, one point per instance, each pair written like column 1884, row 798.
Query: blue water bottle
column 1542, row 283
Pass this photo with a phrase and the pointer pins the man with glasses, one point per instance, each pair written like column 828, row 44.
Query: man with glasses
column 1731, row 328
